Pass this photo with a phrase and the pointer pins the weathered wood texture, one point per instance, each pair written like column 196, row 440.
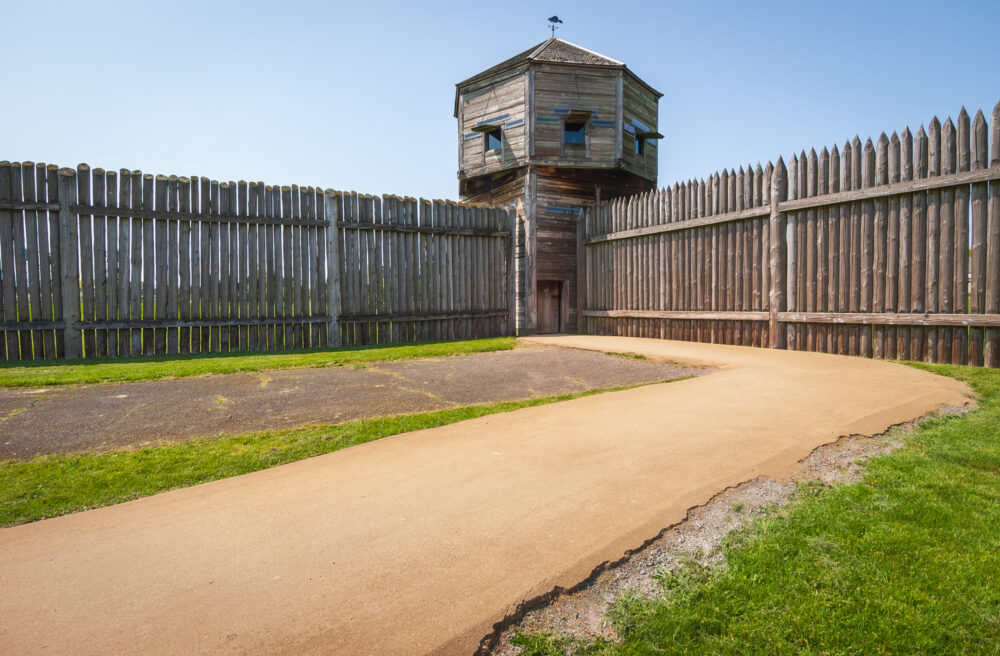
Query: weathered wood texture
column 96, row 263
column 530, row 104
column 414, row 270
column 888, row 249
column 500, row 105
column 707, row 282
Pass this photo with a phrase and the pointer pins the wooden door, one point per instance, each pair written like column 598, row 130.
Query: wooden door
column 549, row 304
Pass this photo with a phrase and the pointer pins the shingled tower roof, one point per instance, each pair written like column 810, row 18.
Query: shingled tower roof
column 550, row 50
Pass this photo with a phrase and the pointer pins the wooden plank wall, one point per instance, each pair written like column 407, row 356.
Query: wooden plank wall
column 418, row 270
column 888, row 249
column 501, row 104
column 639, row 104
column 556, row 90
column 678, row 283
column 97, row 263
column 30, row 313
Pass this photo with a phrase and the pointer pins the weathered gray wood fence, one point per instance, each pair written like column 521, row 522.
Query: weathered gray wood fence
column 887, row 250
column 98, row 263
column 420, row 270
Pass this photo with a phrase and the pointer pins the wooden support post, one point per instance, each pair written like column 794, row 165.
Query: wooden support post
column 68, row 265
column 581, row 269
column 510, row 280
column 776, row 226
column 530, row 251
column 331, row 210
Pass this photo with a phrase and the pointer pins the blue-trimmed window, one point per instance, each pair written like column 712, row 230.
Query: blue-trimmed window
column 574, row 133
column 640, row 145
column 494, row 139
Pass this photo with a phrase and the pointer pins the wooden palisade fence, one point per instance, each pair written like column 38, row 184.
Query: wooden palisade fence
column 98, row 263
column 886, row 250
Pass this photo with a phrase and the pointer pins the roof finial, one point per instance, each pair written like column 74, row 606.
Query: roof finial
column 553, row 24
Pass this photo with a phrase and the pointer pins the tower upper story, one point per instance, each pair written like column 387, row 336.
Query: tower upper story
column 560, row 105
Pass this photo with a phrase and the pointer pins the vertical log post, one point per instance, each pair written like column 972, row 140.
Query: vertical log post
column 790, row 253
column 510, row 280
column 68, row 265
column 905, row 242
column 879, row 255
column 776, row 225
column 530, row 253
column 961, row 244
column 331, row 210
column 992, row 355
column 582, row 229
column 977, row 292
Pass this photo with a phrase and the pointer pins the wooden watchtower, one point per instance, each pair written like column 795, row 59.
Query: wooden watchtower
column 554, row 129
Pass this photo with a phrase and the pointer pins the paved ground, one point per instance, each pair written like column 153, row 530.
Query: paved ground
column 105, row 416
column 418, row 543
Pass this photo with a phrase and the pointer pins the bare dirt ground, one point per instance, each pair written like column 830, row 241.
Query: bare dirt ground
column 582, row 612
column 97, row 417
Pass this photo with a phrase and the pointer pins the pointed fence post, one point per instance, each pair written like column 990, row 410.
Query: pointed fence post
column 992, row 351
column 977, row 292
column 331, row 200
column 778, row 255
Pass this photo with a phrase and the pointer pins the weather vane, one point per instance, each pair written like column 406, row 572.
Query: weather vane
column 553, row 24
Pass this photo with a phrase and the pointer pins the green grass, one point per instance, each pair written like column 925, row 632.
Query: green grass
column 634, row 356
column 47, row 486
column 128, row 370
column 905, row 562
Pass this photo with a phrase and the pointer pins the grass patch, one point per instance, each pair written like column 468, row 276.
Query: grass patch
column 634, row 356
column 48, row 486
column 905, row 562
column 128, row 370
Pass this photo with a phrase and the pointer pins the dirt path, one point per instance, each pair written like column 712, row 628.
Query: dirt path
column 419, row 543
column 698, row 538
column 106, row 416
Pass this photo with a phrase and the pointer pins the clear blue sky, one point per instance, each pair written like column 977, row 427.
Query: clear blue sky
column 359, row 95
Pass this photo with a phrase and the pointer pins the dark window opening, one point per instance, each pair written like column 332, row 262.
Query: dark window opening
column 574, row 133
column 494, row 139
column 640, row 146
